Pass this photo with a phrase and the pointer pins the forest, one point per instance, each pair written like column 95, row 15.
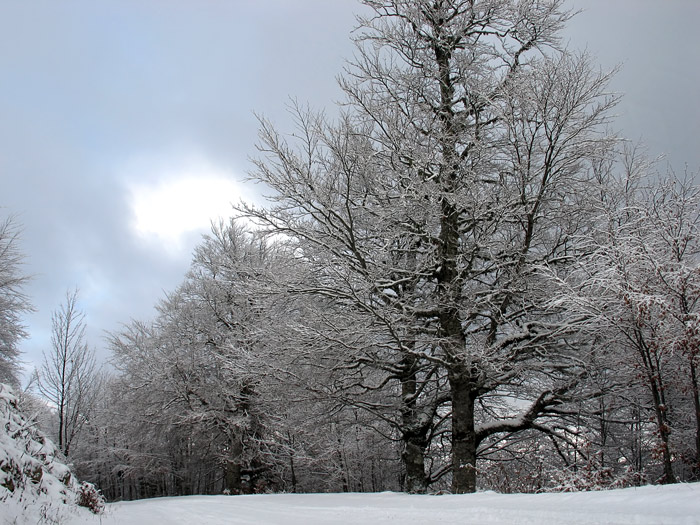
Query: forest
column 463, row 279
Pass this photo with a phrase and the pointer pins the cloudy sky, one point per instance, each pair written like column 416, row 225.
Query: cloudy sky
column 125, row 126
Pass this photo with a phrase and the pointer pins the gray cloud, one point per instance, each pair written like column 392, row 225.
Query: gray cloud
column 656, row 46
column 89, row 88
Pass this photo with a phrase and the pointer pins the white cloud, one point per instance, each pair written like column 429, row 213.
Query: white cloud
column 178, row 200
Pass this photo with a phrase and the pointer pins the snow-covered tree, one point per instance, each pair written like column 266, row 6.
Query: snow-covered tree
column 69, row 377
column 13, row 301
column 671, row 254
column 204, row 362
column 638, row 289
column 459, row 165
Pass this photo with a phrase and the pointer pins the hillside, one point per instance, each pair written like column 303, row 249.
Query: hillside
column 35, row 485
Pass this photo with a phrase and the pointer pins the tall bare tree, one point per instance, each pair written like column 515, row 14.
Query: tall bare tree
column 460, row 165
column 68, row 377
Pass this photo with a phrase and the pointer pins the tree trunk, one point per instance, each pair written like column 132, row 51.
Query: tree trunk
column 652, row 369
column 233, row 468
column 463, row 435
column 61, row 429
column 664, row 433
column 696, row 404
column 413, row 457
column 414, row 432
column 342, row 466
column 292, row 470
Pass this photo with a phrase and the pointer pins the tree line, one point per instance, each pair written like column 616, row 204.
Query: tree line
column 464, row 280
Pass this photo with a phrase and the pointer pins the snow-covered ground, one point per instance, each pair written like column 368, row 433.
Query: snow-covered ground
column 673, row 505
column 35, row 485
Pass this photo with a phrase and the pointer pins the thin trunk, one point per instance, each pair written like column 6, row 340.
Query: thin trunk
column 696, row 403
column 62, row 402
column 293, row 473
column 637, row 429
column 664, row 432
column 64, row 354
column 342, row 466
column 61, row 427
column 652, row 369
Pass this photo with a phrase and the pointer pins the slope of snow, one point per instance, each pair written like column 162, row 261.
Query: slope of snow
column 652, row 505
column 35, row 485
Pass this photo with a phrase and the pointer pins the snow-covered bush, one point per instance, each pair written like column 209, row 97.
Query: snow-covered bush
column 592, row 477
column 35, row 485
column 90, row 498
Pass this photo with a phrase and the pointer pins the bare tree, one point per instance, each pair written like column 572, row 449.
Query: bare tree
column 13, row 301
column 68, row 377
column 638, row 288
column 460, row 166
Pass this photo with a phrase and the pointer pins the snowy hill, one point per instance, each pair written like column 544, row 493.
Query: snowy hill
column 35, row 486
column 672, row 505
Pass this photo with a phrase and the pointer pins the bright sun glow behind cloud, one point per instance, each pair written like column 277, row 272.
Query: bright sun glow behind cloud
column 180, row 202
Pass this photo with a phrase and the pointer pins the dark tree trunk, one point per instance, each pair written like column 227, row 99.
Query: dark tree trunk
column 463, row 435
column 449, row 285
column 652, row 369
column 232, row 468
column 292, row 470
column 342, row 466
column 415, row 431
column 664, row 432
column 696, row 404
column 413, row 457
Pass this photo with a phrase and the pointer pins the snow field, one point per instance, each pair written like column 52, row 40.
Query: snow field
column 651, row 505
